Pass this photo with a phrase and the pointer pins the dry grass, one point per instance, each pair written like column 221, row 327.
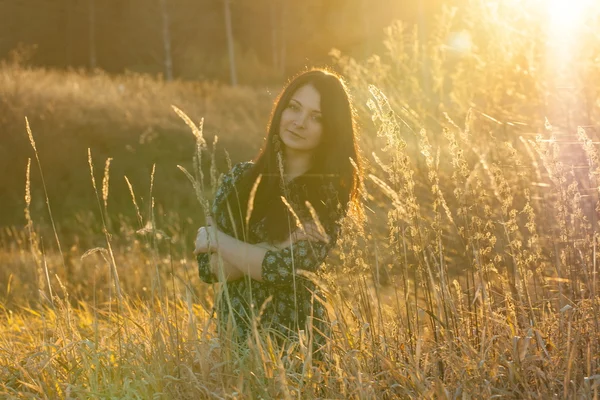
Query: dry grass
column 475, row 275
column 127, row 118
column 133, row 99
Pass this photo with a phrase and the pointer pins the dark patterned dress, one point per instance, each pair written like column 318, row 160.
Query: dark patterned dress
column 284, row 300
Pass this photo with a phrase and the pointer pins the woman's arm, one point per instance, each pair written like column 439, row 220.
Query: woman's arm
column 217, row 264
column 239, row 258
column 207, row 264
column 210, row 263
column 214, row 268
column 248, row 258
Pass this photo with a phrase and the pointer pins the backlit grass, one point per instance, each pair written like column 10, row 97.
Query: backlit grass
column 474, row 276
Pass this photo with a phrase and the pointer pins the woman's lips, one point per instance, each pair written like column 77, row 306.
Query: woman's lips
column 295, row 134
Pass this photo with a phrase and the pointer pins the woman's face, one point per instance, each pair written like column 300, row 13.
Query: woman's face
column 301, row 127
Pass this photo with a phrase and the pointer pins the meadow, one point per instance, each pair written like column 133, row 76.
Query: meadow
column 473, row 276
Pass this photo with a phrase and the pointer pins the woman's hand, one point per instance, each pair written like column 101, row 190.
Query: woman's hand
column 206, row 238
column 311, row 232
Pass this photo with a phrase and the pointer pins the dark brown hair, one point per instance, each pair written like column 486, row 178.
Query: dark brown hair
column 331, row 161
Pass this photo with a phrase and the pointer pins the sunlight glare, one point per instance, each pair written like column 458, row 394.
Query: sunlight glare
column 566, row 14
column 460, row 42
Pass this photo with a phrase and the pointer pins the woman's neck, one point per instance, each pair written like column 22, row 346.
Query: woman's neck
column 296, row 164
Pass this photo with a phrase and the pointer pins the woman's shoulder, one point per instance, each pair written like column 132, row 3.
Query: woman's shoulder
column 236, row 172
column 242, row 167
column 230, row 179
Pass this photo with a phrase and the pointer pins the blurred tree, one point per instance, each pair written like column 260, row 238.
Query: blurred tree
column 277, row 11
column 166, row 35
column 230, row 43
column 231, row 40
column 92, row 33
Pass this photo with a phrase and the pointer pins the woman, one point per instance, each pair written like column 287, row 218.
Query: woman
column 280, row 215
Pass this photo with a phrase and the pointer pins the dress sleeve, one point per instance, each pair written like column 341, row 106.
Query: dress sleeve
column 227, row 183
column 280, row 266
column 204, row 268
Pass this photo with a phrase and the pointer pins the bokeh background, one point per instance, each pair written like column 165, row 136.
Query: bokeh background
column 103, row 75
column 189, row 39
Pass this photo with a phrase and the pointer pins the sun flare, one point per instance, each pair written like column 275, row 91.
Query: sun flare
column 565, row 15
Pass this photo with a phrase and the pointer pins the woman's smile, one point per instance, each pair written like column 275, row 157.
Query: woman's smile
column 294, row 134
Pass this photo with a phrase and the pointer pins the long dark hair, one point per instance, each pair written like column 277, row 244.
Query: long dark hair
column 331, row 166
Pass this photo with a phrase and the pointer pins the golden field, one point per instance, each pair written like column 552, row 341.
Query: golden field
column 474, row 276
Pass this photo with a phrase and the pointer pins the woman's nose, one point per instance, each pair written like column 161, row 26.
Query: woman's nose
column 300, row 120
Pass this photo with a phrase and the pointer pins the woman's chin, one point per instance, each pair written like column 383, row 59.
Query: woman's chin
column 296, row 151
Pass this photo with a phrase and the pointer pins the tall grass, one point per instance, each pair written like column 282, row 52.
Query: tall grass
column 127, row 118
column 475, row 274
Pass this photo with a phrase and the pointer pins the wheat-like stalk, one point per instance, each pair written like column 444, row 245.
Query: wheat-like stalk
column 297, row 222
column 105, row 181
column 137, row 208
column 251, row 199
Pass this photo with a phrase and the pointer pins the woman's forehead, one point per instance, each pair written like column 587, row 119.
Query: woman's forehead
column 308, row 97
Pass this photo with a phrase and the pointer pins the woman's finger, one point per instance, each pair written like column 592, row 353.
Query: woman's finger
column 311, row 236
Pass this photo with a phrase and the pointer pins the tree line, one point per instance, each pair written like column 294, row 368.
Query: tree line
column 230, row 40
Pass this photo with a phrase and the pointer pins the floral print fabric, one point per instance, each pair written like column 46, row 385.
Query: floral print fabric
column 285, row 298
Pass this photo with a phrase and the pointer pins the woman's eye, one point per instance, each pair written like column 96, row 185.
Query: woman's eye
column 292, row 106
column 317, row 118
